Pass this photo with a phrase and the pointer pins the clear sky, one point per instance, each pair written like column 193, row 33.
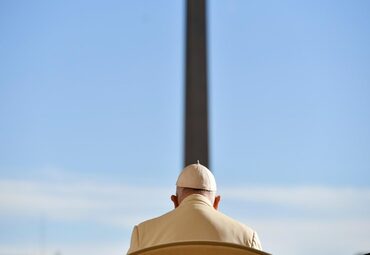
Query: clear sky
column 91, row 121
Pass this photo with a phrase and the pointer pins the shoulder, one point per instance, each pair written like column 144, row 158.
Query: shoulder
column 249, row 234
column 155, row 221
column 235, row 222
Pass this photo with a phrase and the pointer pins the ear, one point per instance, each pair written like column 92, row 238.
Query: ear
column 216, row 202
column 175, row 201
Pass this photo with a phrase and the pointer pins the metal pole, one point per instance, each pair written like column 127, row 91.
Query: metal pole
column 196, row 109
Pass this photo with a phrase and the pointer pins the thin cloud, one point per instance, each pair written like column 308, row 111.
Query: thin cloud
column 330, row 201
column 95, row 201
column 100, row 202
column 308, row 236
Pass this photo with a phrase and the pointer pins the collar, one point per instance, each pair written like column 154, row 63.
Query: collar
column 196, row 199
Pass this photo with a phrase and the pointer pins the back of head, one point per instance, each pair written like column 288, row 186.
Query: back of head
column 197, row 176
column 196, row 179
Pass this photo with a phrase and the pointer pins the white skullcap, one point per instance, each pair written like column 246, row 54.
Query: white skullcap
column 196, row 176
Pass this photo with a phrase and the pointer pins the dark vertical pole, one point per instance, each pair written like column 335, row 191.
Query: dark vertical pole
column 196, row 115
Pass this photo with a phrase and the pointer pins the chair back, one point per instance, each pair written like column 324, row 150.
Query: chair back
column 199, row 248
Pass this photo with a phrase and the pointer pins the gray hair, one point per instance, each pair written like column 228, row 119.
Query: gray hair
column 184, row 192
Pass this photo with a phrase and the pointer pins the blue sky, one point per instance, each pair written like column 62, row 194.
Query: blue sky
column 91, row 114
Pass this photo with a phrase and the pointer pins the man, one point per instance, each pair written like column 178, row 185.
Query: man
column 195, row 217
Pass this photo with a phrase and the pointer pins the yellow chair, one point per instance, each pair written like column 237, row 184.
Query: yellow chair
column 199, row 248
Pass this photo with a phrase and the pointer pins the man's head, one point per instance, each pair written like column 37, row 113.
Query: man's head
column 196, row 179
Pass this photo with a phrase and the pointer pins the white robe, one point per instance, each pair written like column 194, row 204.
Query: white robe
column 194, row 219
